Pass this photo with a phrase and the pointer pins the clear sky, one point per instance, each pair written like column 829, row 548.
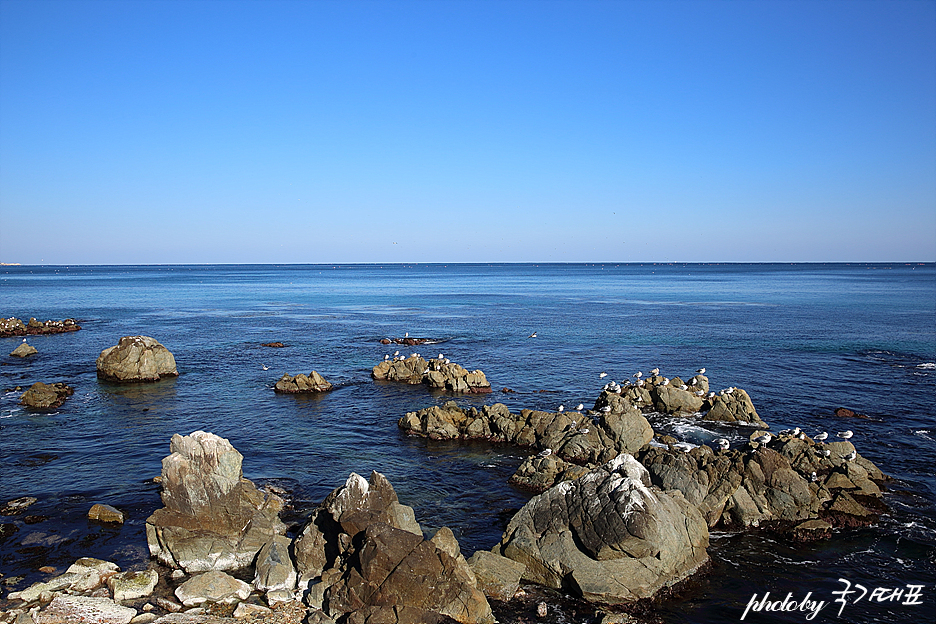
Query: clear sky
column 479, row 131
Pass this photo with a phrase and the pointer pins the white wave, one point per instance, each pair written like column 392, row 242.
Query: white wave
column 927, row 366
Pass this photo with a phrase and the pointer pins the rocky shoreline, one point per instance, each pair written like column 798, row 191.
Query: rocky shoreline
column 621, row 515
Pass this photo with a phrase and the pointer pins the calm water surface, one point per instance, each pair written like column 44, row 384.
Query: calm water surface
column 802, row 339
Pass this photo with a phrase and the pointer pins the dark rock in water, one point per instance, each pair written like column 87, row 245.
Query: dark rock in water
column 609, row 536
column 136, row 359
column 844, row 412
column 24, row 350
column 46, row 396
column 105, row 513
column 214, row 519
column 275, row 345
column 301, row 384
column 367, row 552
column 15, row 327
column 410, row 342
column 7, row 529
column 436, row 373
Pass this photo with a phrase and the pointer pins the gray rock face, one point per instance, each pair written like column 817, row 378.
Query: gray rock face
column 130, row 585
column 212, row 586
column 609, row 535
column 498, row 577
column 274, row 570
column 69, row 609
column 213, row 518
column 367, row 556
column 570, row 435
column 136, row 359
column 46, row 396
column 313, row 382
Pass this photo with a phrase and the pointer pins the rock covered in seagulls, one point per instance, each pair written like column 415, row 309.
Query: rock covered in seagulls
column 369, row 561
column 136, row 359
column 313, row 382
column 14, row 327
column 437, row 373
column 610, row 536
column 24, row 350
column 46, row 396
column 214, row 518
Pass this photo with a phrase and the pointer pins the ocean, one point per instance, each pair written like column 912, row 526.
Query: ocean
column 802, row 339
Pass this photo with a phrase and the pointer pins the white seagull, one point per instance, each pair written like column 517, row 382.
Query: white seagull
column 655, row 372
column 533, row 335
column 561, row 409
column 602, row 375
column 265, row 367
column 638, row 374
column 723, row 444
column 850, row 457
column 763, row 439
column 545, row 453
column 579, row 407
column 701, row 371
column 822, row 436
column 844, row 434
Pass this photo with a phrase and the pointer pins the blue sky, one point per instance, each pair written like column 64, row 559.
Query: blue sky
column 482, row 131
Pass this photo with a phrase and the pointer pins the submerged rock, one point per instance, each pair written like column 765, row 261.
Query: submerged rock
column 136, row 359
column 213, row 519
column 46, row 396
column 301, row 384
column 105, row 513
column 609, row 536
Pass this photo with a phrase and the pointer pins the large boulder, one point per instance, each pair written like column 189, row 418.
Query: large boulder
column 437, row 373
column 213, row 519
column 302, row 384
column 610, row 536
column 135, row 359
column 46, row 396
column 367, row 560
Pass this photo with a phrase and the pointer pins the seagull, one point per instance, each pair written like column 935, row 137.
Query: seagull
column 850, row 457
column 701, row 371
column 441, row 357
column 801, row 436
column 545, row 453
column 24, row 340
column 265, row 367
column 825, row 452
column 406, row 335
column 583, row 430
column 386, row 357
column 813, row 477
column 699, row 393
column 822, row 436
column 561, row 409
column 684, row 387
column 844, row 434
column 655, row 372
column 605, row 409
column 533, row 335
column 396, row 353
column 763, row 439
column 665, row 381
column 579, row 407
column 602, row 375
column 796, row 431
column 638, row 374
column 711, row 395
column 693, row 382
column 723, row 444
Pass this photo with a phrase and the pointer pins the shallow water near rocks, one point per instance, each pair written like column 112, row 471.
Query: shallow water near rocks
column 801, row 339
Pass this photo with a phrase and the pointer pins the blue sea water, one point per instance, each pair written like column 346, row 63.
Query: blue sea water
column 802, row 339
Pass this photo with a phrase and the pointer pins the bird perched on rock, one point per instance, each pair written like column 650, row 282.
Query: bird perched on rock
column 579, row 407
column 701, row 371
column 638, row 374
column 655, row 372
column 544, row 453
column 723, row 444
column 813, row 477
column 386, row 357
column 825, row 452
column 844, row 434
column 561, row 409
column 850, row 457
column 763, row 439
column 605, row 409
column 822, row 436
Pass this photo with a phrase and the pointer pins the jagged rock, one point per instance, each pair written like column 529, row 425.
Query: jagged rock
column 70, row 609
column 211, row 586
column 670, row 399
column 498, row 577
column 105, row 513
column 735, row 407
column 409, row 370
column 24, row 350
column 46, row 396
column 213, row 518
column 342, row 515
column 274, row 568
column 246, row 609
column 538, row 474
column 370, row 562
column 14, row 327
column 302, row 384
column 401, row 570
column 609, row 536
column 130, row 585
column 136, row 359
